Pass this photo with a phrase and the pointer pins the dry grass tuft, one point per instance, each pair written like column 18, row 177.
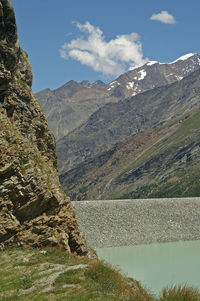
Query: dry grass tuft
column 180, row 293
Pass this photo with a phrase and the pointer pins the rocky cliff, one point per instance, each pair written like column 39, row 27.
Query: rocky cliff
column 34, row 211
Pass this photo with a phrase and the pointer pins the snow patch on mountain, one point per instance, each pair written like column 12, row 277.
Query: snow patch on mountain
column 113, row 85
column 183, row 58
column 130, row 85
column 142, row 74
column 150, row 63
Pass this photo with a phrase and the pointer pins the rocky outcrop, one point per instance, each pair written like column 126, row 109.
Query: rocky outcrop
column 34, row 211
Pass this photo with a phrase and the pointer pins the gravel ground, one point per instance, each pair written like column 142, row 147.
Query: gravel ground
column 141, row 221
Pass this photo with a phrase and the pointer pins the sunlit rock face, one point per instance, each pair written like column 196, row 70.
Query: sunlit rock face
column 34, row 211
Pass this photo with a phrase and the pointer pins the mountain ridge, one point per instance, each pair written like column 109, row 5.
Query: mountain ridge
column 72, row 104
column 116, row 121
column 157, row 163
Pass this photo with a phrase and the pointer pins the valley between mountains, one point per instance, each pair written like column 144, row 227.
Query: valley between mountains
column 137, row 138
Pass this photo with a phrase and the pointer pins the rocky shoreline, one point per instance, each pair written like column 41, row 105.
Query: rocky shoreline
column 138, row 221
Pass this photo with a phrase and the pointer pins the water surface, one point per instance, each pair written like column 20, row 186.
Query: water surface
column 157, row 265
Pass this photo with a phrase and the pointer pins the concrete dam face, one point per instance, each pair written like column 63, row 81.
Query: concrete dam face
column 138, row 221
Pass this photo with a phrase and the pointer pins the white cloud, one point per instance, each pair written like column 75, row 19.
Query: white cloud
column 164, row 17
column 112, row 58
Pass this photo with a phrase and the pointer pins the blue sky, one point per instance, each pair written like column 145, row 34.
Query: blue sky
column 45, row 26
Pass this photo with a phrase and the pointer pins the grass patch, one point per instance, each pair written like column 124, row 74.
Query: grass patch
column 186, row 131
column 26, row 282
column 71, row 277
column 180, row 293
column 185, row 183
column 97, row 282
column 105, row 277
column 10, row 298
column 60, row 257
column 109, row 281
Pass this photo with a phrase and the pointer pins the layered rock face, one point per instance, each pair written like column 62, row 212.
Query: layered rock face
column 34, row 211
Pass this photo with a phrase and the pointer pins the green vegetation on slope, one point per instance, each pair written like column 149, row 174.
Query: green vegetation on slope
column 163, row 162
column 185, row 184
column 113, row 123
column 55, row 275
column 180, row 175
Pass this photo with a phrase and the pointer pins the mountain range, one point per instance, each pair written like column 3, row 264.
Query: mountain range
column 72, row 104
column 115, row 122
column 161, row 162
column 142, row 143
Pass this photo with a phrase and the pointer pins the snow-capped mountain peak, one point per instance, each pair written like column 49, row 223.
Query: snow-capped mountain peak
column 150, row 63
column 76, row 101
column 153, row 74
column 184, row 57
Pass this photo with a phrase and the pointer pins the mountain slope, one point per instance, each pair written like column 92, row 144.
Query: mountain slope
column 163, row 162
column 114, row 122
column 54, row 275
column 70, row 105
column 34, row 211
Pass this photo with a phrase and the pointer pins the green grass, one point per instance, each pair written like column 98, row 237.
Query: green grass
column 183, row 183
column 70, row 277
column 186, row 132
column 177, row 181
column 178, row 177
column 26, row 273
column 23, row 270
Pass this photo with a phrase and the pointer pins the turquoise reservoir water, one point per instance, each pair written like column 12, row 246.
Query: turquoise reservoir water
column 157, row 265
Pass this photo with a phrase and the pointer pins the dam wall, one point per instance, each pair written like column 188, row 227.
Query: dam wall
column 108, row 223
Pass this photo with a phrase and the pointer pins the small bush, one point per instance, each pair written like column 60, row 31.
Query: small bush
column 178, row 293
